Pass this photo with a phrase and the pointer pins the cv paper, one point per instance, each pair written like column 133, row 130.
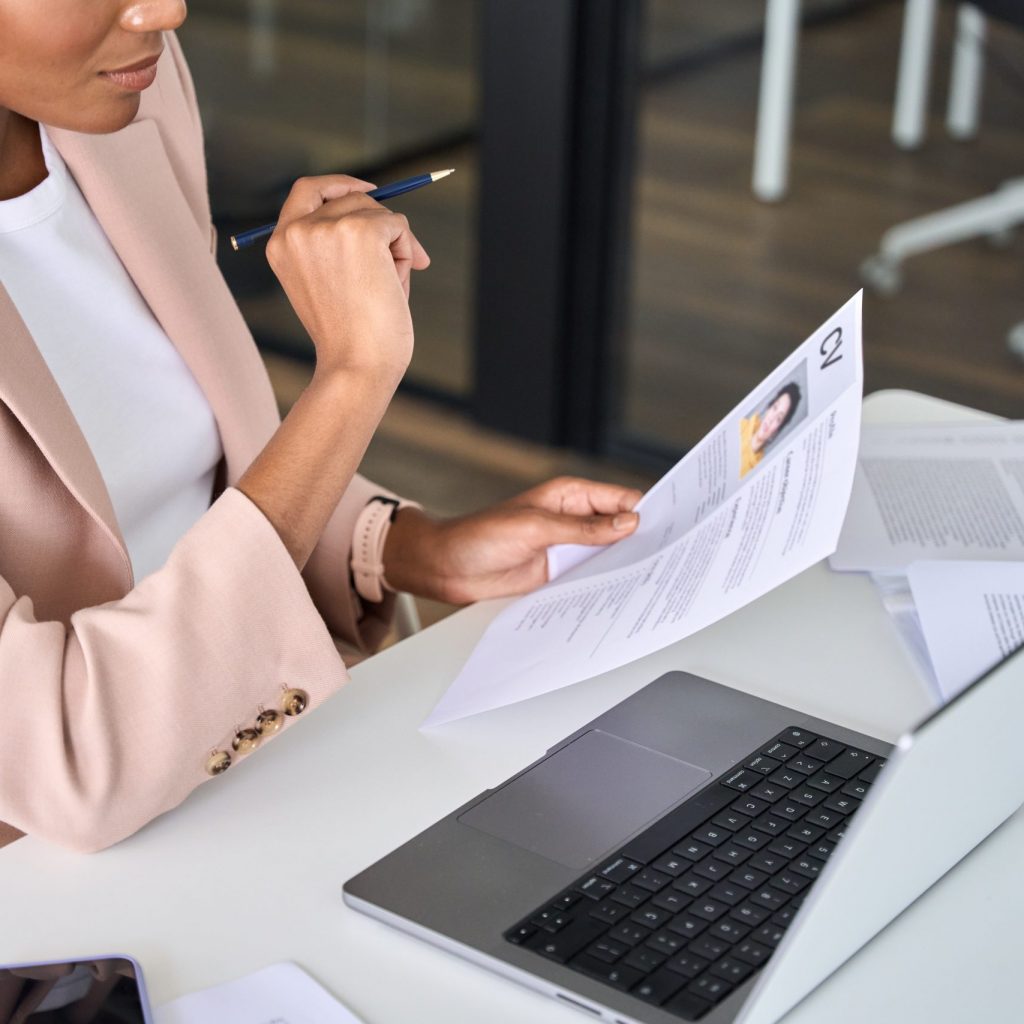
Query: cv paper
column 738, row 515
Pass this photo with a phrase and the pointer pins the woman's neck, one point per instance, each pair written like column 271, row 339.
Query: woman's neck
column 22, row 166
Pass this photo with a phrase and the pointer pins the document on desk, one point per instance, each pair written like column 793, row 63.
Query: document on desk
column 935, row 492
column 971, row 615
column 279, row 994
column 758, row 500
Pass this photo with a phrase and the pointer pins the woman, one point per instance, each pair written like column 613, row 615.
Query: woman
column 758, row 430
column 176, row 563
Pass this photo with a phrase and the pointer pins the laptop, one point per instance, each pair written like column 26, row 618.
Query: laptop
column 696, row 853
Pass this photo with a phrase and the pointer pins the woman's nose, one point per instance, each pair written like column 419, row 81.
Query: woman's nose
column 153, row 15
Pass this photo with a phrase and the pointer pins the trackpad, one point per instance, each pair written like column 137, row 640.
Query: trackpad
column 586, row 798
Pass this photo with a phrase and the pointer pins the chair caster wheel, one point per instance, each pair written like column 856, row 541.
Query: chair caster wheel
column 882, row 275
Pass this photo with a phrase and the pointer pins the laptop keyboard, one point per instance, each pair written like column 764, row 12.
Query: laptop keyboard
column 694, row 905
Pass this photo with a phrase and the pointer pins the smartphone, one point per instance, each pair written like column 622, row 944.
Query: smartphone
column 105, row 989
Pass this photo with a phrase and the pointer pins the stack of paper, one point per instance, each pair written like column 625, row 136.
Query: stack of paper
column 761, row 498
column 937, row 517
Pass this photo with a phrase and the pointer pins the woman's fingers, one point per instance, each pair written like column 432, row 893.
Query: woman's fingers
column 550, row 528
column 307, row 195
column 577, row 496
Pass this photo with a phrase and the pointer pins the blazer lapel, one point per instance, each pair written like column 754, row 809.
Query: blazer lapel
column 128, row 181
column 30, row 391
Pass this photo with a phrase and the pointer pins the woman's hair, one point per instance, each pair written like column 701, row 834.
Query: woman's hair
column 793, row 390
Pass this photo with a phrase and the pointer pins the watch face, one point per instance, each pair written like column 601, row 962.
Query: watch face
column 104, row 990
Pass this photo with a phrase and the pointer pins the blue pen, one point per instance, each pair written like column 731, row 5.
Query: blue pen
column 396, row 188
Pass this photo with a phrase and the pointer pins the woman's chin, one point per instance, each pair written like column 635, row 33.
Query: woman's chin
column 102, row 118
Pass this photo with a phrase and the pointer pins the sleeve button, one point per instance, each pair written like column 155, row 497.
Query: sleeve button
column 294, row 702
column 218, row 762
column 245, row 741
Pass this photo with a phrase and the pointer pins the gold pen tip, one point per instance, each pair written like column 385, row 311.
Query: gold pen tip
column 234, row 243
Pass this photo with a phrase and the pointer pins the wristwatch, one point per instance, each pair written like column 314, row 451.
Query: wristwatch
column 369, row 536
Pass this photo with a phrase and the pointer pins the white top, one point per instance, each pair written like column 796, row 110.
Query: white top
column 145, row 418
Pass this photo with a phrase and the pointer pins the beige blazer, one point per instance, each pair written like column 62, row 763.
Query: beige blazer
column 114, row 695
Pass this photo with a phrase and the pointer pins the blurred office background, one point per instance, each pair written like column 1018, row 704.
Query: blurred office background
column 605, row 286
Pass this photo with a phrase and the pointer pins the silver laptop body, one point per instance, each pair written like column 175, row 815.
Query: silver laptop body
column 462, row 883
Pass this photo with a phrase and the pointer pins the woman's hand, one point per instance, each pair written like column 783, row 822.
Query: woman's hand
column 344, row 262
column 503, row 550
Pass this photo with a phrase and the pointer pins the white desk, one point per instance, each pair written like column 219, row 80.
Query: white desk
column 249, row 870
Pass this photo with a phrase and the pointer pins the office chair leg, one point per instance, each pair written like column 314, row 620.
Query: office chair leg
column 966, row 74
column 910, row 111
column 988, row 216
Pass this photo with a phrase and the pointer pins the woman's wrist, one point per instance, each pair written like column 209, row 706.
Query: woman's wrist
column 410, row 551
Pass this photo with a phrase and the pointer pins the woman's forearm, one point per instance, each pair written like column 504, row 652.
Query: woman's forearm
column 302, row 473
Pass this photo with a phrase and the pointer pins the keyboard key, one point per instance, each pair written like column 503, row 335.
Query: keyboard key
column 824, row 818
column 728, row 929
column 519, row 935
column 643, row 959
column 750, row 806
column 770, row 825
column 731, row 969
column 667, row 942
column 687, row 926
column 836, row 834
column 821, row 849
column 741, row 779
column 728, row 892
column 692, row 850
column 651, row 880
column 842, row 804
column 712, row 869
column 617, row 975
column 731, row 820
column 692, row 884
column 658, row 987
column 769, row 935
column 808, row 867
column 686, row 964
column 871, row 772
column 712, row 835
column 790, row 882
column 796, row 737
column 708, row 909
column 805, row 795
column 672, row 864
column 779, row 750
column 596, row 888
column 749, row 914
column 651, row 916
column 708, row 948
column 805, row 765
column 787, row 848
column 856, row 788
column 750, row 840
column 805, row 833
column 784, row 917
column 823, row 749
column 826, row 782
column 607, row 951
column 628, row 933
column 748, row 878
column 550, row 920
column 786, row 778
column 752, row 953
column 609, row 912
column 769, row 791
column 569, row 941
column 630, row 896
column 731, row 854
column 762, row 764
column 769, row 860
column 567, row 900
column 671, row 900
column 688, row 1006
column 850, row 763
column 709, row 987
column 768, row 898
column 620, row 869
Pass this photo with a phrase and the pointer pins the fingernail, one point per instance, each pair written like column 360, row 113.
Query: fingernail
column 624, row 520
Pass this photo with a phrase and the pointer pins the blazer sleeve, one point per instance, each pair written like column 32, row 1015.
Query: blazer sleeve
column 110, row 720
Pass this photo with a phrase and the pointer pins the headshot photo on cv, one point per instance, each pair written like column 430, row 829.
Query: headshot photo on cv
column 783, row 406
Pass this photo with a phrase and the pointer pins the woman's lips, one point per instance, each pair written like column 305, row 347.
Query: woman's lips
column 137, row 77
